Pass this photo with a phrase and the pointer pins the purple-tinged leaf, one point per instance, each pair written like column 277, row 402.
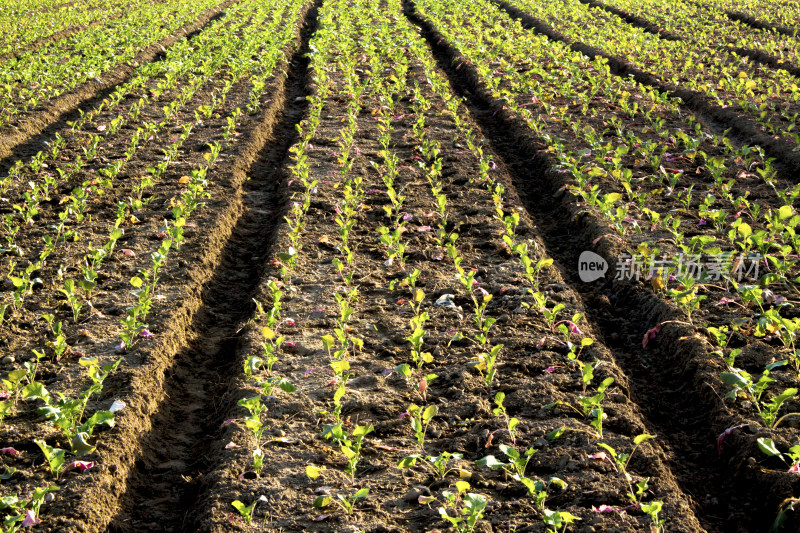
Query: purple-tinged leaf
column 724, row 435
column 30, row 519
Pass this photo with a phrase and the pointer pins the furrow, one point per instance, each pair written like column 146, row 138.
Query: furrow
column 671, row 379
column 739, row 127
column 24, row 138
column 152, row 462
column 760, row 24
column 639, row 22
column 756, row 55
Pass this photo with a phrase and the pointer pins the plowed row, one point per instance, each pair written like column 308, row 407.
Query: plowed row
column 316, row 266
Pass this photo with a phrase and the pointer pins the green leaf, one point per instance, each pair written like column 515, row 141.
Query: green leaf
column 362, row 431
column 429, row 413
column 499, row 397
column 340, row 367
column 404, row 370
column 766, row 445
column 328, row 342
column 287, row 386
column 80, row 444
column 243, row 509
column 490, row 461
column 641, row 438
column 34, row 391
column 509, row 451
column 605, row 384
column 100, row 417
column 729, row 378
column 314, row 472
column 321, row 502
column 408, row 462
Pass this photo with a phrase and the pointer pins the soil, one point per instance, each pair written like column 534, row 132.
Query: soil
column 180, row 453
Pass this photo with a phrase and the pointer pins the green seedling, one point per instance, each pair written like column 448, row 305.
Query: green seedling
column 56, row 459
column 20, row 513
column 620, row 462
column 420, row 419
column 592, row 407
column 652, row 509
column 515, row 467
column 500, row 411
column 349, row 445
column 742, row 384
column 67, row 413
column 557, row 521
column 253, row 422
column 438, row 464
column 420, row 385
column 347, row 503
column 486, row 363
column 468, row 507
column 791, row 458
column 246, row 511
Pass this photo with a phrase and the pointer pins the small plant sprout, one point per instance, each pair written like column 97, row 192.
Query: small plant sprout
column 788, row 505
column 253, row 421
column 20, row 513
column 56, row 457
column 592, row 407
column 486, row 363
column 420, row 385
column 258, row 460
column 620, row 463
column 438, row 464
column 468, row 507
column 742, row 384
column 346, row 503
column 349, row 445
column 537, row 489
column 686, row 296
column 420, row 419
column 67, row 413
column 652, row 509
column 791, row 458
column 515, row 467
column 246, row 511
column 313, row 471
column 557, row 521
column 500, row 411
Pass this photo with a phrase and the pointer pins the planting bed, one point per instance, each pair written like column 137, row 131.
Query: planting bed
column 316, row 266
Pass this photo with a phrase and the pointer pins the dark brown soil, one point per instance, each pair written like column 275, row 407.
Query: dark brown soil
column 180, row 454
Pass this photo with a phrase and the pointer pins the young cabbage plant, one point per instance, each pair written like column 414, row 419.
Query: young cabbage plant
column 438, row 464
column 346, row 503
column 420, row 419
column 468, row 507
column 246, row 511
column 557, row 521
column 742, row 384
column 500, row 411
column 592, row 407
column 350, row 445
column 790, row 458
column 517, row 462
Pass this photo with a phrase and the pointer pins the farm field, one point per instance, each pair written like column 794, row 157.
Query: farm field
column 409, row 265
